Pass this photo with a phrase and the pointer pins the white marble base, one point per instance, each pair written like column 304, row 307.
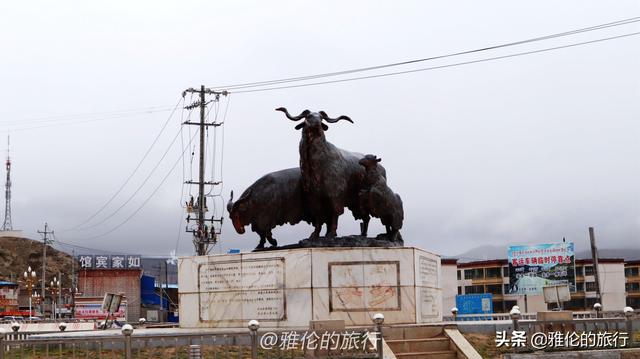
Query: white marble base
column 289, row 288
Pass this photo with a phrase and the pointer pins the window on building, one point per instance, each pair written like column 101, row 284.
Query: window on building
column 632, row 287
column 492, row 272
column 476, row 273
column 579, row 271
column 505, row 272
column 589, row 302
column 494, row 289
column 468, row 274
column 631, row 271
column 633, row 302
column 588, row 270
column 474, row 289
column 580, row 287
column 552, row 306
column 505, row 289
column 590, row 286
column 498, row 306
column 574, row 304
column 459, row 290
column 459, row 274
column 508, row 304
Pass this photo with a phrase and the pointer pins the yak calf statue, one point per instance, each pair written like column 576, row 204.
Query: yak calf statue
column 273, row 200
column 378, row 200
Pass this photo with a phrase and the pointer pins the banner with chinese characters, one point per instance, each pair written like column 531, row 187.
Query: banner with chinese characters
column 531, row 267
column 113, row 261
column 91, row 308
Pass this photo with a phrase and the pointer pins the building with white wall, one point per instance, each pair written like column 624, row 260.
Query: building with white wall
column 492, row 276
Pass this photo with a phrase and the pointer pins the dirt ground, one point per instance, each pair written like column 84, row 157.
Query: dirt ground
column 485, row 345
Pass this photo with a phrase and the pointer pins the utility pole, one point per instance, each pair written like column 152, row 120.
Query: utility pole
column 594, row 256
column 60, row 291
column 203, row 235
column 73, row 283
column 44, row 261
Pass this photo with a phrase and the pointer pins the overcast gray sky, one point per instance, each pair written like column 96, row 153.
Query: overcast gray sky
column 520, row 150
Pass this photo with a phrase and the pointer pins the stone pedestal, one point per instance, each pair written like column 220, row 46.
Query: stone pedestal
column 291, row 287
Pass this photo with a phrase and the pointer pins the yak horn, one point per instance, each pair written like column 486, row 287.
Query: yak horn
column 230, row 203
column 334, row 120
column 292, row 118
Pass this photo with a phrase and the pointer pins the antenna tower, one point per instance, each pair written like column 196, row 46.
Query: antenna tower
column 7, row 226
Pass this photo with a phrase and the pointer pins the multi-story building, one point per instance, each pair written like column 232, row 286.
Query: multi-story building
column 94, row 283
column 9, row 292
column 492, row 276
column 632, row 283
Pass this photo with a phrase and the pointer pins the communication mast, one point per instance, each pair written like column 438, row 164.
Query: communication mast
column 206, row 230
column 7, row 226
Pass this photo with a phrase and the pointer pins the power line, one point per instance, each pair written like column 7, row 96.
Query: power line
column 135, row 170
column 441, row 66
column 28, row 128
column 57, row 241
column 144, row 182
column 75, row 116
column 370, row 68
column 151, row 195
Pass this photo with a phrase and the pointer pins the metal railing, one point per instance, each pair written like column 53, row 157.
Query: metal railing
column 533, row 316
column 625, row 324
column 112, row 344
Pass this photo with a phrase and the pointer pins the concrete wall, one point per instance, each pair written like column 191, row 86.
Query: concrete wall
column 97, row 282
column 612, row 286
column 449, row 286
column 289, row 288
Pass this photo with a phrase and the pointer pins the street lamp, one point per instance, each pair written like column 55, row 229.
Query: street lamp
column 29, row 281
column 54, row 288
column 37, row 299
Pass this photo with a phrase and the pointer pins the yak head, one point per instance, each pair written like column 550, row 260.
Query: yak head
column 238, row 212
column 372, row 171
column 369, row 161
column 312, row 126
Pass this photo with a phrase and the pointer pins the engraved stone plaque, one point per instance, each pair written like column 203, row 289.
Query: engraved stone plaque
column 247, row 289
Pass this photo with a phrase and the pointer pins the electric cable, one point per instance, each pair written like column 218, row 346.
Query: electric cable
column 401, row 63
column 135, row 170
column 441, row 66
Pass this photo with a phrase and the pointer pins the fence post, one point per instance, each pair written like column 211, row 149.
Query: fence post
column 598, row 308
column 628, row 313
column 253, row 326
column 378, row 319
column 194, row 351
column 515, row 316
column 127, row 330
column 3, row 332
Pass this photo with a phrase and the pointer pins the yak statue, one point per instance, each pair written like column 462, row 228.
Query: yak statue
column 273, row 200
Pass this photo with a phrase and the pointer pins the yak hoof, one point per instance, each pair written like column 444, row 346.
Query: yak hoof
column 260, row 246
column 273, row 242
column 363, row 229
column 396, row 236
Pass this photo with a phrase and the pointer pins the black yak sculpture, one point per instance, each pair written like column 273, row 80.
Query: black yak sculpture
column 376, row 199
column 331, row 177
column 273, row 200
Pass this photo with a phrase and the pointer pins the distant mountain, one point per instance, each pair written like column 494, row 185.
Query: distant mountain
column 488, row 252
column 625, row 253
column 16, row 254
